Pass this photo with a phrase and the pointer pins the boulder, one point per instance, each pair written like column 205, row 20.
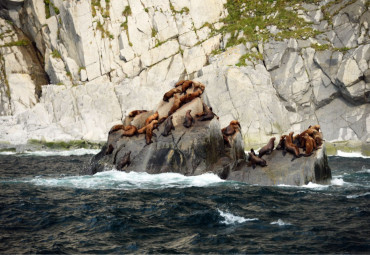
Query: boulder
column 281, row 170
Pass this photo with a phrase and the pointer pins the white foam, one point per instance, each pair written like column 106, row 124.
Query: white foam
column 337, row 182
column 280, row 223
column 230, row 218
column 114, row 179
column 76, row 152
column 359, row 195
column 315, row 186
column 350, row 154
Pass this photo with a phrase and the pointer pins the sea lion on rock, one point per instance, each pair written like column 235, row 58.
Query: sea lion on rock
column 129, row 130
column 189, row 120
column 189, row 97
column 281, row 144
column 268, row 148
column 310, row 144
column 151, row 118
column 232, row 128
column 179, row 83
column 149, row 131
column 207, row 113
column 198, row 85
column 316, row 127
column 168, row 126
column 176, row 105
column 116, row 128
column 136, row 112
column 254, row 160
column 290, row 147
column 125, row 161
column 187, row 84
column 170, row 93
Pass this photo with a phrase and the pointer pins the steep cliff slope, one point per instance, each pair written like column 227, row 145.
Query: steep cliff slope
column 273, row 65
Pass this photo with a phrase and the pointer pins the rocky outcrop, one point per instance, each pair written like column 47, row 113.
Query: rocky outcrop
column 106, row 58
column 281, row 170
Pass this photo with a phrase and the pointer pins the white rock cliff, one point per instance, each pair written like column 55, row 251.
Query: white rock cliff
column 98, row 60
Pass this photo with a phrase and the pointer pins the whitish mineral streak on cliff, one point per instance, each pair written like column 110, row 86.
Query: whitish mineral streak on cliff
column 106, row 58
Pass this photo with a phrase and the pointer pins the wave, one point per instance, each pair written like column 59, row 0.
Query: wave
column 358, row 195
column 114, row 179
column 280, row 223
column 350, row 154
column 231, row 219
column 76, row 152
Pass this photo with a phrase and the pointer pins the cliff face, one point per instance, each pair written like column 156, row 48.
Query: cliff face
column 106, row 58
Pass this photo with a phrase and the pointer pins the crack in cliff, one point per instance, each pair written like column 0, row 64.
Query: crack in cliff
column 232, row 102
column 122, row 114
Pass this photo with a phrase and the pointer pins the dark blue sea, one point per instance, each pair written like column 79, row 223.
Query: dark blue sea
column 47, row 208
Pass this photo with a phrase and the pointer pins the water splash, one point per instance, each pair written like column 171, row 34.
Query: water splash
column 114, row 179
column 230, row 219
column 280, row 223
column 350, row 154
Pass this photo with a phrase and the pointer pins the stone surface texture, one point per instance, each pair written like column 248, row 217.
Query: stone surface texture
column 99, row 62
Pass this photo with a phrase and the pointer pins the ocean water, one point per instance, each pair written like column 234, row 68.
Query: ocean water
column 46, row 207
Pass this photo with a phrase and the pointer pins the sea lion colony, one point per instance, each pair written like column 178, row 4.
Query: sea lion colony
column 181, row 97
column 309, row 140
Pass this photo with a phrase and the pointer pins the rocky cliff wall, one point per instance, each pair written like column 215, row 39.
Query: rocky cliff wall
column 106, row 58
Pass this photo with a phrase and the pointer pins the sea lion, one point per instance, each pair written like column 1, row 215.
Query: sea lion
column 281, row 144
column 161, row 120
column 189, row 97
column 168, row 126
column 129, row 130
column 116, row 128
column 207, row 115
column 189, row 120
column 179, row 83
column 318, row 138
column 268, row 148
column 187, row 84
column 152, row 117
column 125, row 161
column 176, row 105
column 232, row 128
column 226, row 140
column 316, row 127
column 254, row 160
column 198, row 85
column 290, row 147
column 310, row 144
column 149, row 131
column 170, row 93
column 136, row 112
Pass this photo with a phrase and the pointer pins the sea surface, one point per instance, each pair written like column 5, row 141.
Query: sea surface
column 46, row 207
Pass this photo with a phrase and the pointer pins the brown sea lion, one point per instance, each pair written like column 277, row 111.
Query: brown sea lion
column 176, row 105
column 207, row 114
column 290, row 147
column 129, row 130
column 316, row 127
column 116, row 128
column 179, row 83
column 254, row 160
column 125, row 161
column 136, row 112
column 170, row 93
column 152, row 117
column 189, row 97
column 187, row 84
column 281, row 144
column 318, row 139
column 198, row 85
column 161, row 120
column 226, row 140
column 141, row 130
column 310, row 144
column 149, row 131
column 268, row 148
column 231, row 129
column 168, row 126
column 189, row 120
